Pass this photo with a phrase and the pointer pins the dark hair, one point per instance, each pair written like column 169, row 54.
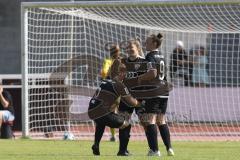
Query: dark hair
column 116, row 68
column 157, row 39
column 113, row 49
column 122, row 68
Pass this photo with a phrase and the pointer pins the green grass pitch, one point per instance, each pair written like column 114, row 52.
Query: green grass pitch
column 25, row 149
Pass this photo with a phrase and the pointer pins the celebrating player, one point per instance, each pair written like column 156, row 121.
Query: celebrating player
column 102, row 105
column 157, row 105
column 133, row 63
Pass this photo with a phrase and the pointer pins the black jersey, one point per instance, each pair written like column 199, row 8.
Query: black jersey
column 103, row 101
column 156, row 104
column 149, row 88
column 8, row 97
column 134, row 67
column 157, row 61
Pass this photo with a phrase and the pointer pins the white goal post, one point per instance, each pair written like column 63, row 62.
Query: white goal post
column 63, row 50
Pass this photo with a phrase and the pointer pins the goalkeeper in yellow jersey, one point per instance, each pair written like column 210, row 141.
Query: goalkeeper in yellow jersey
column 105, row 73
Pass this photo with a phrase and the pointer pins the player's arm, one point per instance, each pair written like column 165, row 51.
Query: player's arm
column 150, row 74
column 126, row 97
column 131, row 101
column 4, row 101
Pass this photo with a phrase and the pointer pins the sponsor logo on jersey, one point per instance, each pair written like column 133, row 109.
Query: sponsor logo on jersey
column 137, row 66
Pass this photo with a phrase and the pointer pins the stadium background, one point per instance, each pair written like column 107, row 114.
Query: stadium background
column 10, row 51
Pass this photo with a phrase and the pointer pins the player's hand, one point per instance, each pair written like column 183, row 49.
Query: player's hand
column 141, row 104
column 140, row 111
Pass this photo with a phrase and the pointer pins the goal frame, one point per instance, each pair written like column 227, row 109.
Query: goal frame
column 24, row 38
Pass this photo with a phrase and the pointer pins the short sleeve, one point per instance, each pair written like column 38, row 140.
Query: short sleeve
column 151, row 62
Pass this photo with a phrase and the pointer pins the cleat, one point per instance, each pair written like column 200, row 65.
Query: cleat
column 124, row 153
column 154, row 153
column 170, row 152
column 95, row 150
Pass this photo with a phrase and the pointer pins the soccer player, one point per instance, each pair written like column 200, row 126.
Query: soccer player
column 105, row 71
column 102, row 105
column 133, row 63
column 155, row 107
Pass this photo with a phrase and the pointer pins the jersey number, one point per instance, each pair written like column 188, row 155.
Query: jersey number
column 161, row 70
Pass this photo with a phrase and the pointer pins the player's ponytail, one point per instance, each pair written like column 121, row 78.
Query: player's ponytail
column 160, row 36
column 113, row 49
column 157, row 39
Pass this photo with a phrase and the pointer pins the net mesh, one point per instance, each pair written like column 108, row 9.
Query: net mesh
column 66, row 50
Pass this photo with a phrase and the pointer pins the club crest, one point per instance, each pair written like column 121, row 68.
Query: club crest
column 137, row 66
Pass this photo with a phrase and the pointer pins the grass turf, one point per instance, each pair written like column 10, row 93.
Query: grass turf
column 25, row 149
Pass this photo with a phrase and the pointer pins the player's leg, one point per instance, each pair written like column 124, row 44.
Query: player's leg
column 99, row 130
column 124, row 134
column 112, row 120
column 163, row 127
column 151, row 110
column 148, row 120
column 118, row 121
column 112, row 130
column 112, row 139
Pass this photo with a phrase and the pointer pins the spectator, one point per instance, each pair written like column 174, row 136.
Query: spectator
column 6, row 107
column 200, row 75
column 179, row 64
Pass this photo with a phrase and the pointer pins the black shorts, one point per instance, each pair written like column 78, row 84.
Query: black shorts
column 123, row 107
column 112, row 120
column 156, row 105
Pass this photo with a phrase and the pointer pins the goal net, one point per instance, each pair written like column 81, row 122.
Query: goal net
column 63, row 51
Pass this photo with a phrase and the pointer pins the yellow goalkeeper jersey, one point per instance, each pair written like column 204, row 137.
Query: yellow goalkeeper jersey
column 106, row 67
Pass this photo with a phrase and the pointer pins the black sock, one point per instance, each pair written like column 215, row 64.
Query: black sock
column 152, row 137
column 146, row 134
column 165, row 134
column 124, row 135
column 99, row 130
